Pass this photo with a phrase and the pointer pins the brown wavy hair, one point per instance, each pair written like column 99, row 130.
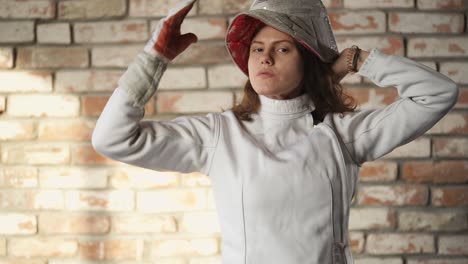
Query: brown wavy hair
column 318, row 82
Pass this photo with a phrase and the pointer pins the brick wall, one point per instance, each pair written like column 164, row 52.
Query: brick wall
column 61, row 203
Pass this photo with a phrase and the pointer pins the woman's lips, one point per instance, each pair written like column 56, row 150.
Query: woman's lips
column 265, row 74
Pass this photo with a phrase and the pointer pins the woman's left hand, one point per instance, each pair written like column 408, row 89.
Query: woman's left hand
column 340, row 66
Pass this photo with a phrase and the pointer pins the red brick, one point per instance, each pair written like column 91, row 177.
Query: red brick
column 450, row 196
column 111, row 249
column 52, row 57
column 462, row 99
column 93, row 105
column 357, row 22
column 457, row 71
column 396, row 195
column 378, row 171
column 432, row 172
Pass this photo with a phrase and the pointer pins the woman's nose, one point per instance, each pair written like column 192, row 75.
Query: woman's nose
column 267, row 59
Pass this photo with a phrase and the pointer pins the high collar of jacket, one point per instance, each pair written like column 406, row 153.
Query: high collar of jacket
column 297, row 106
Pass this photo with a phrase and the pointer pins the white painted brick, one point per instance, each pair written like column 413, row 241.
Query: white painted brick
column 151, row 8
column 35, row 153
column 210, row 7
column 2, row 247
column 26, row 199
column 122, row 200
column 438, row 47
column 226, row 76
column 400, row 243
column 453, row 245
column 87, row 81
column 18, row 32
column 183, row 78
column 42, row 247
column 131, row 224
column 115, row 56
column 439, row 5
column 378, row 3
column 43, row 105
column 2, row 104
column 449, row 123
column 18, row 176
column 112, row 31
column 434, row 22
column 25, row 81
column 171, row 200
column 457, row 71
column 58, row 33
column 378, row 261
column 387, row 44
column 17, row 130
column 17, row 224
column 43, row 9
column 205, row 28
column 89, row 9
column 135, row 177
column 6, row 57
column 358, row 22
column 371, row 218
column 433, row 221
column 66, row 177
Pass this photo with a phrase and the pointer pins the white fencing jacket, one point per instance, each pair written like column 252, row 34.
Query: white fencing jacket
column 282, row 186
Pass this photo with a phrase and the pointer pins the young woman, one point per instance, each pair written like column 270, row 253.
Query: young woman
column 284, row 163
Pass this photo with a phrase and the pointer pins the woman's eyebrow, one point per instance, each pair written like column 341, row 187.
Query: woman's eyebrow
column 274, row 42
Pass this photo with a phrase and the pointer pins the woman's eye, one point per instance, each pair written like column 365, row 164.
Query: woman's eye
column 283, row 50
column 257, row 49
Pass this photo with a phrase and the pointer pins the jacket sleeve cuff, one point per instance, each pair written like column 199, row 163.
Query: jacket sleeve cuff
column 142, row 77
column 372, row 63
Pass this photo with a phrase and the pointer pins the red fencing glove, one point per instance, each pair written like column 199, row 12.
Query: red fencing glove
column 166, row 39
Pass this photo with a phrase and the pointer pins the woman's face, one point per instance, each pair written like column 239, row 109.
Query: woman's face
column 275, row 64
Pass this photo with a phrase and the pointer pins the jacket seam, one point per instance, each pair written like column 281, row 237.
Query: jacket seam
column 216, row 141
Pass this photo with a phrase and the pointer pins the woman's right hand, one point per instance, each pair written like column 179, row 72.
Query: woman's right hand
column 166, row 40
